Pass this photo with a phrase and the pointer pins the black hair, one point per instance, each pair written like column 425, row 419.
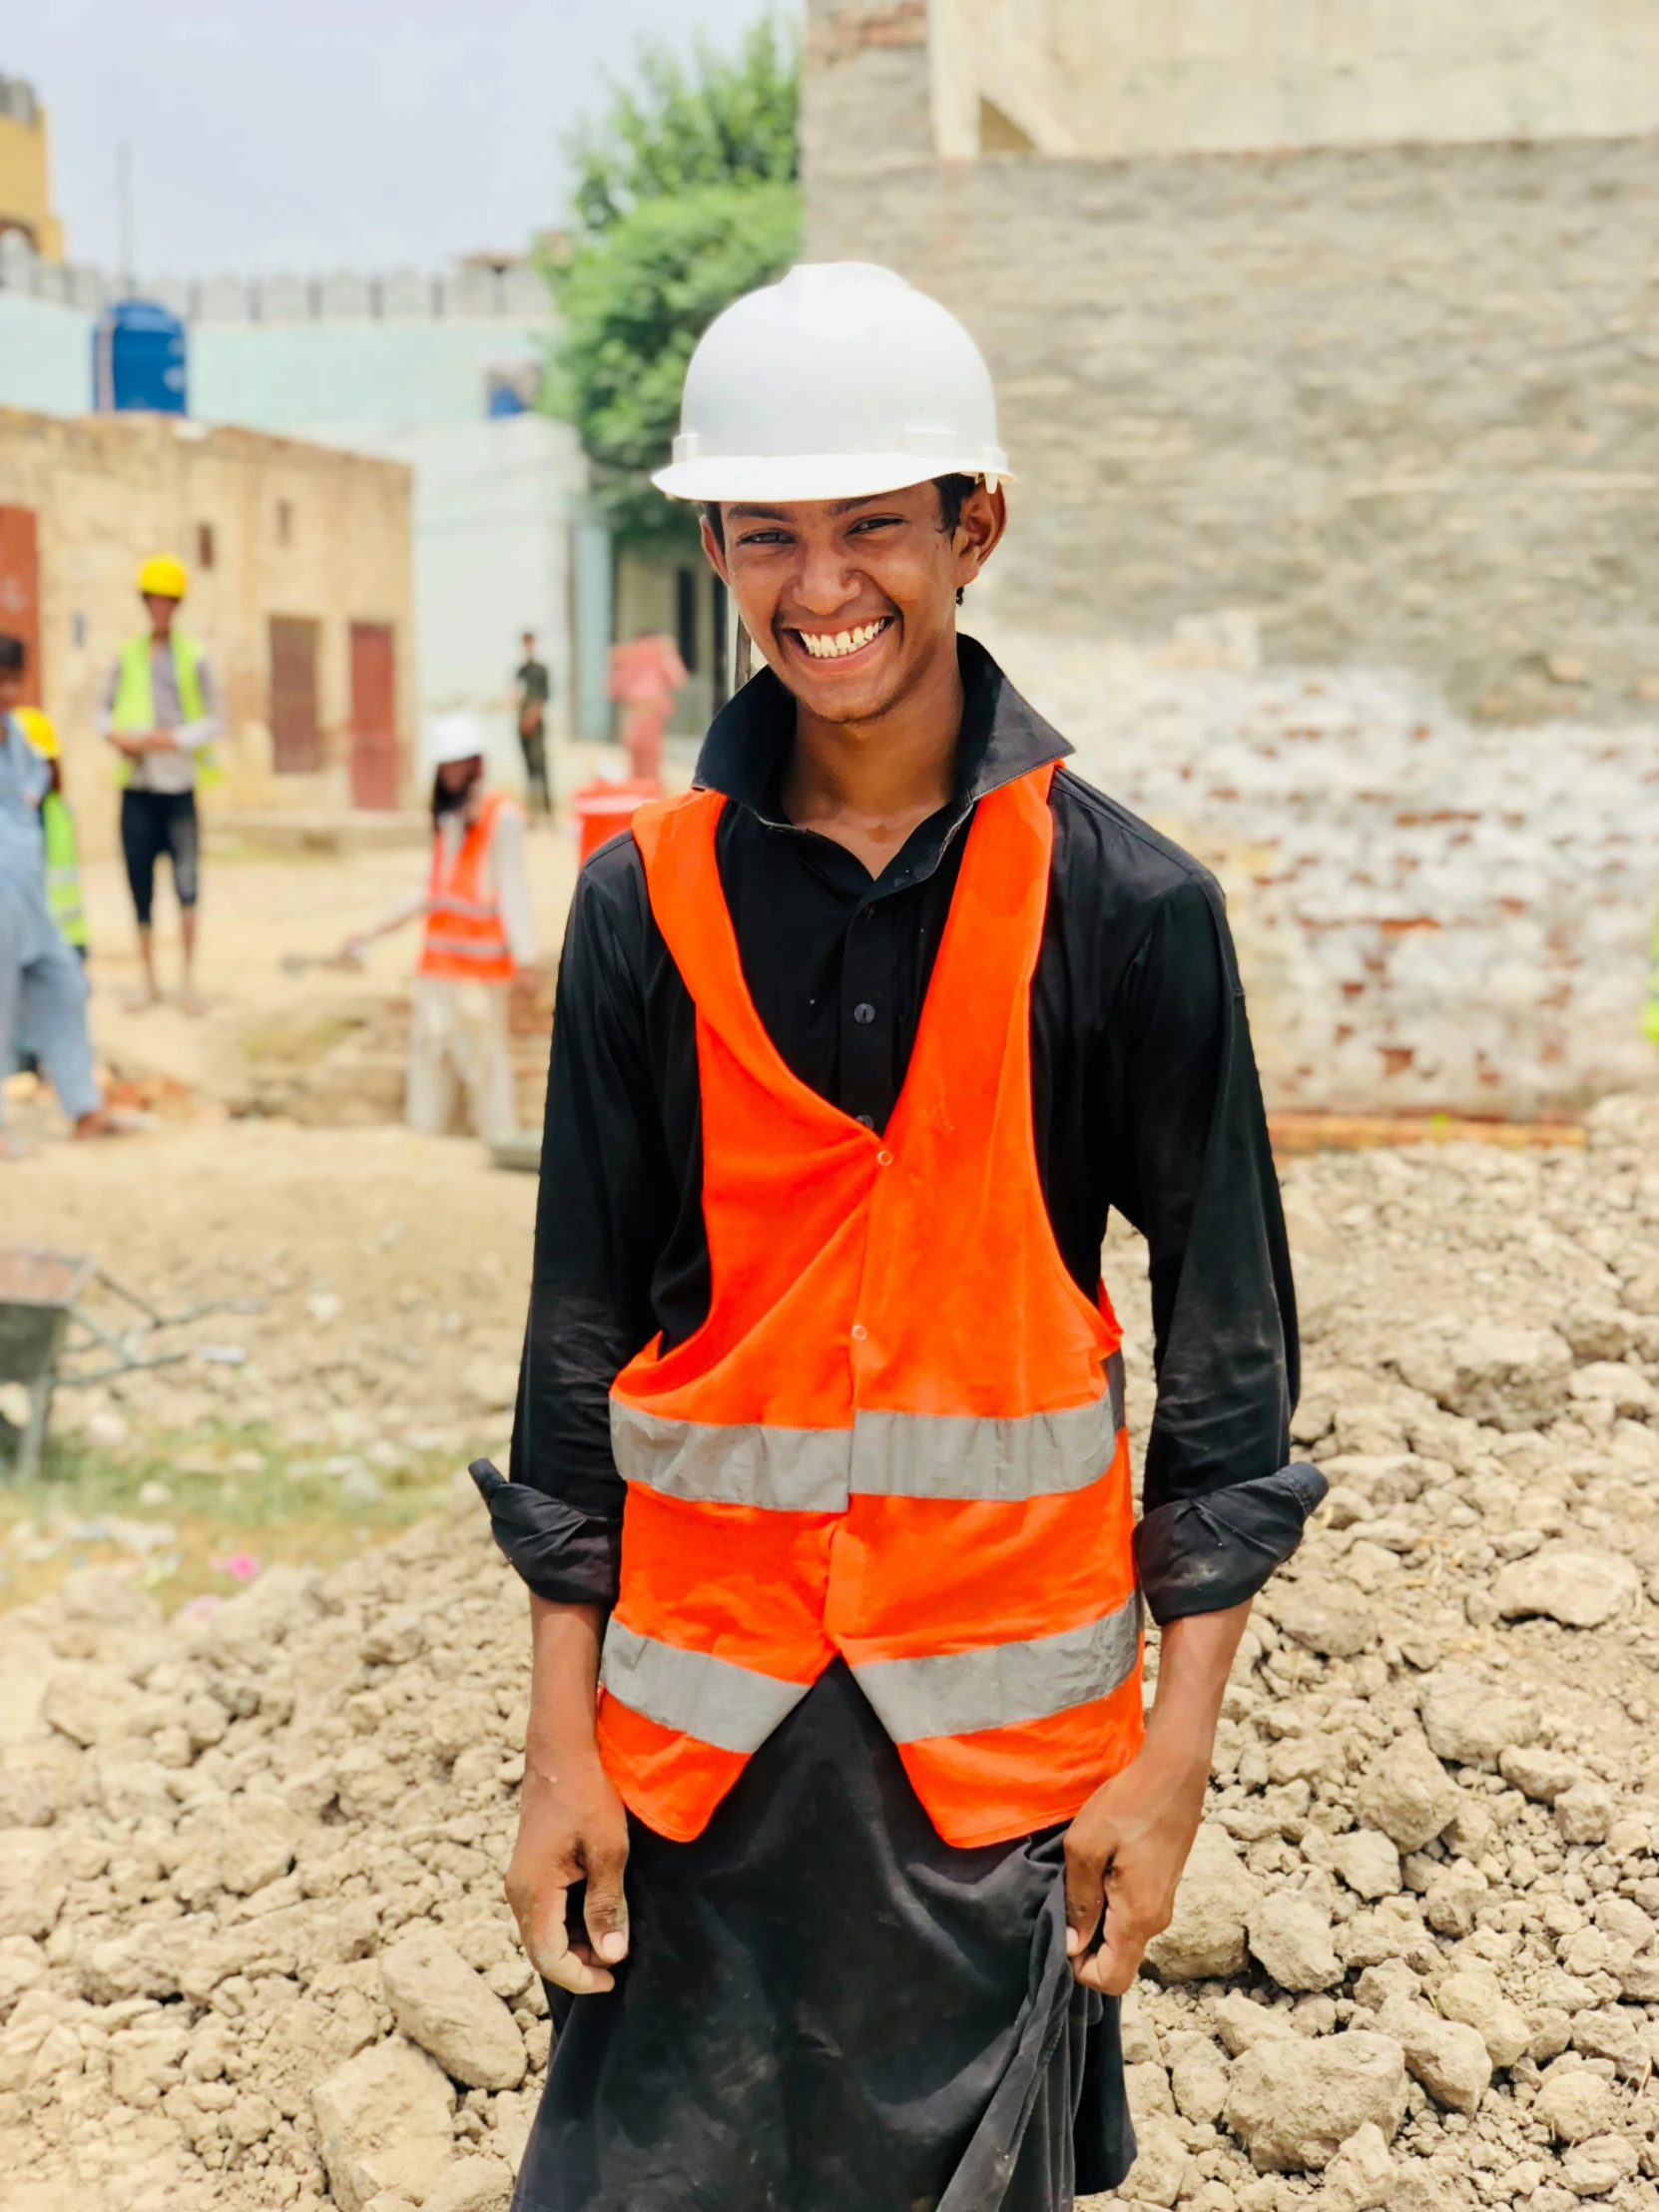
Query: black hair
column 952, row 491
column 446, row 801
column 14, row 654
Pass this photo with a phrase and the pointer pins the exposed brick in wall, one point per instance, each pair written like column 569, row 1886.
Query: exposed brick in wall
column 839, row 29
column 1402, row 401
column 1431, row 915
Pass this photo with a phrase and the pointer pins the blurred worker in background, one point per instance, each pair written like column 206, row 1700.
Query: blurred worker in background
column 479, row 945
column 535, row 688
column 63, row 845
column 161, row 712
column 43, row 989
column 645, row 675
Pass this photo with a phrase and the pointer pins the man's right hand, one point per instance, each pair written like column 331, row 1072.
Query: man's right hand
column 571, row 1828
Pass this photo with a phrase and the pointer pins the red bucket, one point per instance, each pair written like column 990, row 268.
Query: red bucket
column 601, row 809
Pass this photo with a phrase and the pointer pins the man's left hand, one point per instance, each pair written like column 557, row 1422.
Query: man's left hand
column 1126, row 1848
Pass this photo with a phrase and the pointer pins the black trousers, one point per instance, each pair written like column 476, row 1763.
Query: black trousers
column 154, row 824
column 534, row 743
column 828, row 2009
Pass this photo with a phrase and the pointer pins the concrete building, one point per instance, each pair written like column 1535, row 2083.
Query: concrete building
column 301, row 592
column 430, row 371
column 25, row 171
column 1340, row 314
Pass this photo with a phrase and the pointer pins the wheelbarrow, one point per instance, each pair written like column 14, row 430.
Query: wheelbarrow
column 46, row 1333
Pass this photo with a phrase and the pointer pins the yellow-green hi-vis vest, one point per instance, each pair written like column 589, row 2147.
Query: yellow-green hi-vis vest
column 135, row 697
column 63, row 870
column 1650, row 1011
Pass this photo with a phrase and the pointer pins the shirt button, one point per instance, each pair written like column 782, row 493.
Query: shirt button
column 859, row 1331
column 863, row 1013
column 864, row 1121
column 883, row 1159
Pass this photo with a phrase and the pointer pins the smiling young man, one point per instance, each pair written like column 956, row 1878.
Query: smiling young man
column 840, row 1835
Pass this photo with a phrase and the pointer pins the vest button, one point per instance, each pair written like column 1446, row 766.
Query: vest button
column 864, row 1121
column 859, row 1331
column 863, row 1013
column 883, row 1159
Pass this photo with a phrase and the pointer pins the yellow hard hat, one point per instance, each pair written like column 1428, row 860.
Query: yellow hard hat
column 37, row 728
column 162, row 575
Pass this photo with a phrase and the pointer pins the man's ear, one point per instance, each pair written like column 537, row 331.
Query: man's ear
column 715, row 553
column 979, row 529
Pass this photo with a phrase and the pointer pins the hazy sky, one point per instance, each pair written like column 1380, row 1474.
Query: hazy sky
column 325, row 134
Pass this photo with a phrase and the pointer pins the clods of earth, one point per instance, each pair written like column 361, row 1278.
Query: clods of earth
column 252, row 1945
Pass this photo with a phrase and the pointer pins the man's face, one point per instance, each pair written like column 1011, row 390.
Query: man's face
column 11, row 690
column 529, row 643
column 458, row 776
column 161, row 611
column 851, row 599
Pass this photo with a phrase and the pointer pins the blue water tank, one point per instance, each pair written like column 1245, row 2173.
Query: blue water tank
column 138, row 359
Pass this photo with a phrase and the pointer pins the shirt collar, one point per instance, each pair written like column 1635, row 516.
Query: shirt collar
column 1002, row 737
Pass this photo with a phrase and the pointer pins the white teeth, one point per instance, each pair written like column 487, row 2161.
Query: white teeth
column 823, row 647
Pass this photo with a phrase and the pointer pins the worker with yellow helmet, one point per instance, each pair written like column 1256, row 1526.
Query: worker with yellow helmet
column 161, row 714
column 63, row 845
column 43, row 989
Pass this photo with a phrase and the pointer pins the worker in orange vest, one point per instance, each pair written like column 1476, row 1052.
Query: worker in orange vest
column 842, row 1832
column 479, row 946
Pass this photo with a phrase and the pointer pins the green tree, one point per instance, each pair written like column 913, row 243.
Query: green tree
column 686, row 197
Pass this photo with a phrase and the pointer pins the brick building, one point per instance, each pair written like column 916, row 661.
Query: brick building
column 300, row 591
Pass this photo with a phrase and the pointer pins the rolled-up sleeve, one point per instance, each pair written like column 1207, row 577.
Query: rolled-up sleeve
column 559, row 1518
column 1222, row 1504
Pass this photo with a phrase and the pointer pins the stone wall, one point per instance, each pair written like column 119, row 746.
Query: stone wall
column 1076, row 77
column 1400, row 401
column 108, row 490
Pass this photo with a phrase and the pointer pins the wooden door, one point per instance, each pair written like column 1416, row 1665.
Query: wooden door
column 20, row 591
column 296, row 740
column 373, row 715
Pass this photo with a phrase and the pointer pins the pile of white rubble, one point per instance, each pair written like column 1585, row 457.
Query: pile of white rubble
column 253, row 1946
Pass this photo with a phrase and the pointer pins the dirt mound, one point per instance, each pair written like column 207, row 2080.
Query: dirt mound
column 220, row 1840
column 253, row 1949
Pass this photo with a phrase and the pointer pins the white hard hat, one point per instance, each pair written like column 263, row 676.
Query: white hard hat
column 453, row 737
column 839, row 381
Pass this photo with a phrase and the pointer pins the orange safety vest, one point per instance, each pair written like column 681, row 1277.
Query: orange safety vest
column 898, row 1435
column 465, row 941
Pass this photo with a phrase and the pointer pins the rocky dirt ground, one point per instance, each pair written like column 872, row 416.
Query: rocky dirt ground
column 253, row 1946
column 387, row 1274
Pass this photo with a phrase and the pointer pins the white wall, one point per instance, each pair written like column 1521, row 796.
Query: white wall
column 294, row 375
column 45, row 355
column 492, row 514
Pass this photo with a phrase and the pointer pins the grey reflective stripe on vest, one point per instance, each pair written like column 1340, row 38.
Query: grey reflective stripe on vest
column 466, row 948
column 958, row 1692
column 715, row 1700
column 816, row 1470
column 967, row 1455
column 791, row 1471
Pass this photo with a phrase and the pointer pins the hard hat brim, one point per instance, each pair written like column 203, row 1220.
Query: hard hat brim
column 774, row 479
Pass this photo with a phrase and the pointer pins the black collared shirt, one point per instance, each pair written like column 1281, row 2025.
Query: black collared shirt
column 1145, row 1099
